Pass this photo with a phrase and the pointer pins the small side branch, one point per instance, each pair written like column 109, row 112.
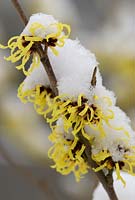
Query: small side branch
column 93, row 80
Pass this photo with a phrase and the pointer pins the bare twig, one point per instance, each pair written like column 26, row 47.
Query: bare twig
column 20, row 11
column 111, row 190
column 107, row 182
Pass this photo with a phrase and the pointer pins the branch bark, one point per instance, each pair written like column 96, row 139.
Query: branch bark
column 48, row 68
column 107, row 181
column 20, row 11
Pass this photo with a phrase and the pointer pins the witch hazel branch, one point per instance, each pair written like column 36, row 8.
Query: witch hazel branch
column 63, row 82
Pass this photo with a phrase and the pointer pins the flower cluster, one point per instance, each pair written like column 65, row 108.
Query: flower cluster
column 83, row 105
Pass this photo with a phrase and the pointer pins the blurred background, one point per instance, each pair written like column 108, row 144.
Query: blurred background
column 105, row 27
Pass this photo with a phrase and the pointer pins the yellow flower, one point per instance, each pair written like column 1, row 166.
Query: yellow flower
column 38, row 96
column 23, row 47
column 75, row 114
column 127, row 164
column 78, row 114
column 56, row 38
column 67, row 155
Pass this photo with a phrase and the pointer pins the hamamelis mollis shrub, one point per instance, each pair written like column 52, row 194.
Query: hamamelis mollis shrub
column 83, row 104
